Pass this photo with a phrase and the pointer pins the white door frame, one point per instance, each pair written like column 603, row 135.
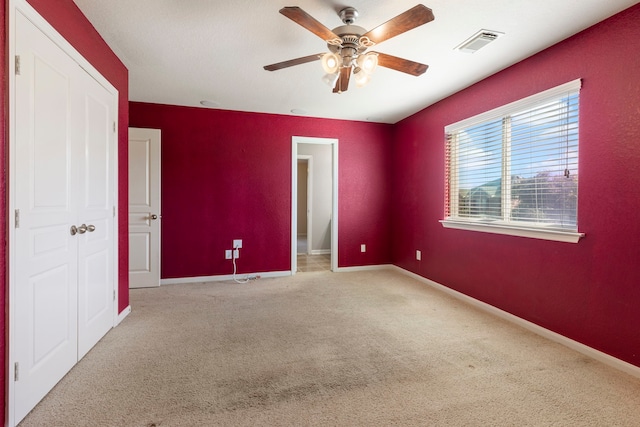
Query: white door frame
column 21, row 6
column 295, row 140
column 309, row 160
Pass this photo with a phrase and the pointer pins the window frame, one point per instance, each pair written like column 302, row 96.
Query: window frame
column 452, row 179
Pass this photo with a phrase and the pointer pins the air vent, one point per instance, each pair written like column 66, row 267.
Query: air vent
column 478, row 40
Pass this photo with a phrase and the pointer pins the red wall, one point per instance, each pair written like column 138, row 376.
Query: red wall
column 589, row 291
column 227, row 175
column 69, row 21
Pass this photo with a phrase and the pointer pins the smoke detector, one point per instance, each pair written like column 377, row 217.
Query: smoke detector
column 478, row 40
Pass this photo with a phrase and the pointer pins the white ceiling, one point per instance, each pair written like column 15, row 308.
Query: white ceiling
column 183, row 51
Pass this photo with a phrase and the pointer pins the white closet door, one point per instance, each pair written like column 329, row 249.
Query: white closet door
column 63, row 177
column 95, row 211
column 46, row 296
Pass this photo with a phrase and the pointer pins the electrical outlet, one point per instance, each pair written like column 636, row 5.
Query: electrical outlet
column 236, row 253
column 363, row 248
column 419, row 255
column 227, row 254
column 237, row 244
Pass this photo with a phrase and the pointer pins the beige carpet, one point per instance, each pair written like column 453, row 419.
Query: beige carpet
column 337, row 349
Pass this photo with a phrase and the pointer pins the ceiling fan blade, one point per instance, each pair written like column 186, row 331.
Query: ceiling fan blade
column 309, row 22
column 343, row 81
column 412, row 18
column 292, row 62
column 401, row 64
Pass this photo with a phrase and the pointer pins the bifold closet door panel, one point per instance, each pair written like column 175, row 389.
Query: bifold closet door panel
column 46, row 280
column 95, row 210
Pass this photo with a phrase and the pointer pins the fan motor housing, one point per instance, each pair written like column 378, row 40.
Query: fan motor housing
column 350, row 36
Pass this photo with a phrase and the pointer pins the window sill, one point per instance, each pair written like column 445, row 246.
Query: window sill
column 496, row 228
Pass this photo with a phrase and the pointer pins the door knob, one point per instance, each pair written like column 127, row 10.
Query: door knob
column 154, row 217
column 82, row 229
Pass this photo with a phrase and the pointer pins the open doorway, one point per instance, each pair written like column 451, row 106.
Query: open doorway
column 314, row 204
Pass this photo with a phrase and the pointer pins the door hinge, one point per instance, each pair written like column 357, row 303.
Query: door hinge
column 114, row 127
column 114, row 294
column 17, row 64
column 114, row 211
column 17, row 218
column 16, row 370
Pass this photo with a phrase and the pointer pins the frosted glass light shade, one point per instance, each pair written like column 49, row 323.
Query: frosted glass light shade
column 331, row 62
column 360, row 76
column 368, row 62
column 331, row 79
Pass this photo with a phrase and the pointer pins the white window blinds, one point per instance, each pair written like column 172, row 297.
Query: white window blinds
column 517, row 165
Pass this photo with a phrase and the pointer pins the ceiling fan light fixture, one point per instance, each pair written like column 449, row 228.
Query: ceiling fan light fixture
column 347, row 45
column 331, row 62
column 331, row 79
column 361, row 77
column 368, row 62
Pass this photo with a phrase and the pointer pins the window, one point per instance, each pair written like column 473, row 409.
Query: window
column 514, row 170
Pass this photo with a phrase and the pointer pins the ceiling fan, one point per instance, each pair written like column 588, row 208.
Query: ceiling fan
column 348, row 45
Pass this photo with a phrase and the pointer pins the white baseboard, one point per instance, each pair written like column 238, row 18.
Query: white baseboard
column 222, row 278
column 537, row 329
column 124, row 313
column 321, row 252
column 364, row 268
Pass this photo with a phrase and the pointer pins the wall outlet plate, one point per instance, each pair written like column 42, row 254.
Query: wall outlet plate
column 419, row 255
column 227, row 254
column 236, row 253
column 237, row 244
column 363, row 248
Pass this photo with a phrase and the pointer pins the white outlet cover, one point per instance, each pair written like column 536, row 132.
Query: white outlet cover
column 419, row 255
column 363, row 248
column 237, row 243
column 227, row 254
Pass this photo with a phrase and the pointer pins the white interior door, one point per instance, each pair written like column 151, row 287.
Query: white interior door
column 62, row 282
column 144, row 208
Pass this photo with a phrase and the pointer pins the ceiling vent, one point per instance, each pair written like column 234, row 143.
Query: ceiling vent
column 478, row 40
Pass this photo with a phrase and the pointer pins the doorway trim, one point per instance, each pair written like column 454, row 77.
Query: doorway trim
column 295, row 140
